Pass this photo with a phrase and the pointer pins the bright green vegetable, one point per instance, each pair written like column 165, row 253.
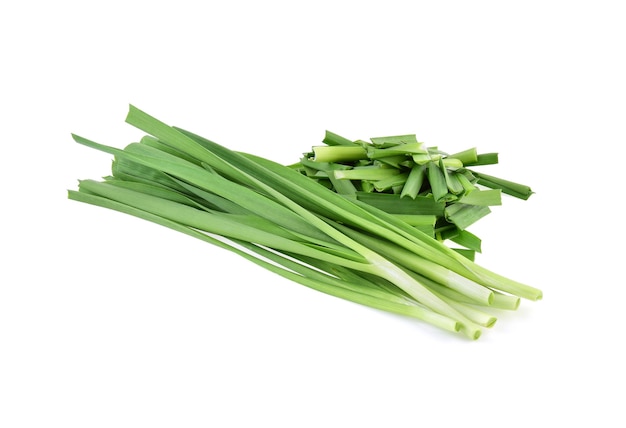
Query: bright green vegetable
column 402, row 165
column 297, row 228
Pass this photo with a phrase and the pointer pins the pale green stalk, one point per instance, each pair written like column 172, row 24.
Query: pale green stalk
column 307, row 276
column 377, row 264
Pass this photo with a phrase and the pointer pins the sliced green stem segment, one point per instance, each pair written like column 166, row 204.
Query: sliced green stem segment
column 332, row 139
column 339, row 153
column 437, row 181
column 414, row 182
column 370, row 174
column 484, row 159
column 396, row 204
column 467, row 157
column 510, row 188
column 482, row 197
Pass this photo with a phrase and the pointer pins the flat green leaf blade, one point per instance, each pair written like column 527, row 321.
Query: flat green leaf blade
column 390, row 182
column 467, row 157
column 468, row 240
column 396, row 204
column 231, row 226
column 452, row 182
column 490, row 197
column 463, row 215
column 509, row 187
column 326, row 285
column 414, row 182
column 468, row 254
column 437, row 181
column 484, row 159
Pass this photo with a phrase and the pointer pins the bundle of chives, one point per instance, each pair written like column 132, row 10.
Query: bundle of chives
column 290, row 225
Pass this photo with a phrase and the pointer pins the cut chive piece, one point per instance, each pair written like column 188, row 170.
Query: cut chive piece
column 484, row 159
column 447, row 231
column 468, row 254
column 343, row 187
column 322, row 166
column 465, row 182
column 437, row 181
column 467, row 157
column 421, row 158
column 396, row 161
column 514, row 189
column 367, row 186
column 451, row 163
column 463, row 215
column 366, row 173
column 468, row 174
column 339, row 153
column 395, row 181
column 401, row 149
column 483, row 197
column 326, row 169
column 395, row 204
column 394, row 140
column 332, row 139
column 452, row 182
column 414, row 182
column 468, row 240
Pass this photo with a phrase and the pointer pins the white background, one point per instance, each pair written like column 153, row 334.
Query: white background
column 109, row 321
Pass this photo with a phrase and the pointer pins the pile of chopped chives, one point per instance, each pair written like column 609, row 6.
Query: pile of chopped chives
column 441, row 194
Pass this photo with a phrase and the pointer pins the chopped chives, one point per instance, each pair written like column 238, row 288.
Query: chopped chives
column 463, row 215
column 332, row 139
column 468, row 240
column 437, row 182
column 414, row 182
column 366, row 173
column 421, row 158
column 483, row 197
column 394, row 140
column 395, row 181
column 468, row 187
column 396, row 204
column 484, row 159
column 468, row 254
column 452, row 182
column 467, row 157
column 514, row 189
column 451, row 163
column 400, row 149
column 339, row 153
column 335, row 239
